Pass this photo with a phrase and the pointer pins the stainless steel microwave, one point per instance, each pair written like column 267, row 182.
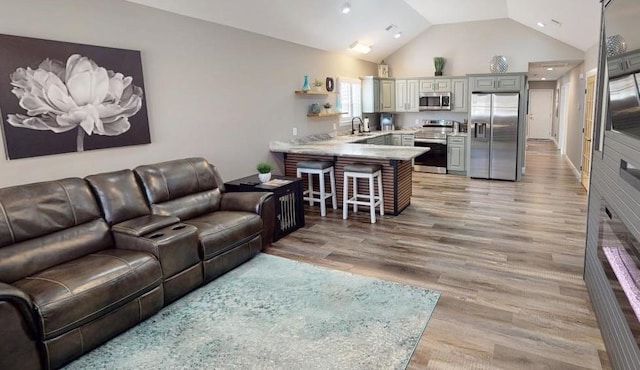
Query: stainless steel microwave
column 435, row 101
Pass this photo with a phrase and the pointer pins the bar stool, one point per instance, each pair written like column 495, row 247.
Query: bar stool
column 362, row 171
column 319, row 168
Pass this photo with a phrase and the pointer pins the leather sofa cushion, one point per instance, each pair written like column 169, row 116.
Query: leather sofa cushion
column 52, row 206
column 190, row 206
column 74, row 293
column 26, row 258
column 119, row 194
column 223, row 230
column 174, row 179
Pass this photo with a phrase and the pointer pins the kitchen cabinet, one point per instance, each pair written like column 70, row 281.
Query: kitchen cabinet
column 408, row 139
column 402, row 139
column 407, row 98
column 370, row 94
column 378, row 95
column 497, row 83
column 435, row 85
column 387, row 95
column 459, row 95
column 396, row 140
column 456, row 154
column 378, row 140
column 624, row 64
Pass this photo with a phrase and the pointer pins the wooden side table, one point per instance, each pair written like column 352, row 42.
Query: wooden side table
column 289, row 205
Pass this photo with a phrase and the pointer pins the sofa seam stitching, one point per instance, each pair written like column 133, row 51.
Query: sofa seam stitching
column 195, row 171
column 73, row 211
column 6, row 217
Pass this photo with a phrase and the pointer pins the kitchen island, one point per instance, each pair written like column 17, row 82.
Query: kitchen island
column 348, row 149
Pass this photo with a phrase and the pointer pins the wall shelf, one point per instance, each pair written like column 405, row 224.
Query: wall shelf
column 318, row 115
column 311, row 92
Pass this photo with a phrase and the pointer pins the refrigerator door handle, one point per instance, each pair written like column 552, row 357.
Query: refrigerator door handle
column 480, row 130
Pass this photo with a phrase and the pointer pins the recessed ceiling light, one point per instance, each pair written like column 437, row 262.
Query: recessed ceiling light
column 397, row 35
column 346, row 8
column 360, row 48
column 540, row 24
column 543, row 78
column 550, row 69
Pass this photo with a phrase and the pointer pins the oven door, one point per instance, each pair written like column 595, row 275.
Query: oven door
column 435, row 160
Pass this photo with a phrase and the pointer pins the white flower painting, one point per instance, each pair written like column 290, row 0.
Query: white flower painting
column 71, row 102
column 79, row 95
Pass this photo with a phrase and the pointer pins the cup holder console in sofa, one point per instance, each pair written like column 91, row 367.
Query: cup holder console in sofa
column 83, row 260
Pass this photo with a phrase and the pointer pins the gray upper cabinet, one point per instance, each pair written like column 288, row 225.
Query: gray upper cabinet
column 624, row 63
column 407, row 96
column 387, row 96
column 435, row 84
column 378, row 95
column 370, row 94
column 459, row 95
column 497, row 83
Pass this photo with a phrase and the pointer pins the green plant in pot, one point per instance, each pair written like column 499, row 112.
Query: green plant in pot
column 264, row 171
column 327, row 107
column 438, row 63
column 317, row 85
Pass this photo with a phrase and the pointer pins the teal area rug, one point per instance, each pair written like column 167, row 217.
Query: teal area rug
column 275, row 313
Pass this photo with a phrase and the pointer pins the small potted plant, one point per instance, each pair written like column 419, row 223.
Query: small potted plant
column 264, row 171
column 438, row 63
column 327, row 107
column 317, row 85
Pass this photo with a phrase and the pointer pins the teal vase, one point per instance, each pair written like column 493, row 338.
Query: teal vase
column 337, row 104
column 305, row 84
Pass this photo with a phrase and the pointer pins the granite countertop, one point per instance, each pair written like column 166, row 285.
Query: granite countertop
column 345, row 146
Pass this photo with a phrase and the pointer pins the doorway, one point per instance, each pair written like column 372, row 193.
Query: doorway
column 587, row 132
column 540, row 118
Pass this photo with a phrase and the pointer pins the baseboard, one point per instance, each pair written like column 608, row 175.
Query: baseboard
column 573, row 168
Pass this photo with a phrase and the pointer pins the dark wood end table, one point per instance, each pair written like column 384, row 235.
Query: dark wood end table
column 289, row 204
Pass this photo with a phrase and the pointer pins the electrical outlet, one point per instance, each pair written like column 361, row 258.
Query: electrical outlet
column 295, row 131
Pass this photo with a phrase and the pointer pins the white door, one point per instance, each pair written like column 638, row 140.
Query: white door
column 540, row 113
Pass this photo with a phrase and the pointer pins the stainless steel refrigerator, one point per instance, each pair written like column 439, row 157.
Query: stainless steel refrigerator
column 494, row 135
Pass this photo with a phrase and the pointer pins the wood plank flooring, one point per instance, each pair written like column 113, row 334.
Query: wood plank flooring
column 507, row 257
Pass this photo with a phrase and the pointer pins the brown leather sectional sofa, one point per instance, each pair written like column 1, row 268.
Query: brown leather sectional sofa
column 82, row 260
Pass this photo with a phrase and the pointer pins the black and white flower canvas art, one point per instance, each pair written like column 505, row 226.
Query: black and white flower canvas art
column 59, row 97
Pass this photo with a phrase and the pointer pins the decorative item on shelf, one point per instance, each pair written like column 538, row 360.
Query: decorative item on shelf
column 499, row 64
column 616, row 44
column 337, row 104
column 329, row 84
column 327, row 107
column 383, row 70
column 438, row 64
column 305, row 84
column 264, row 171
column 317, row 85
column 314, row 108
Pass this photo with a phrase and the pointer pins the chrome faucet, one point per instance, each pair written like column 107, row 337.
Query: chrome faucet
column 353, row 130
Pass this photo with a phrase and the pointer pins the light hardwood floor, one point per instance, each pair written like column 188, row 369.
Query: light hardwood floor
column 507, row 257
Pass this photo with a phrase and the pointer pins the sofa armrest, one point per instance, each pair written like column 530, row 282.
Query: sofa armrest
column 174, row 246
column 261, row 203
column 244, row 201
column 22, row 302
column 144, row 225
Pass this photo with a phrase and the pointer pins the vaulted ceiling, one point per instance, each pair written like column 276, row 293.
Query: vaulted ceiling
column 321, row 24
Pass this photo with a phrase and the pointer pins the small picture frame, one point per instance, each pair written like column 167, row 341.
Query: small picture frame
column 383, row 71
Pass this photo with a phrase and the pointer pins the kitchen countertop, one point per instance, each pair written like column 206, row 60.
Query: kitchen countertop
column 344, row 145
